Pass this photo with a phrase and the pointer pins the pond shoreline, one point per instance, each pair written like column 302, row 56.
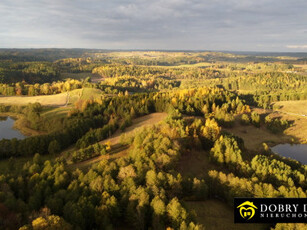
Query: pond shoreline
column 293, row 151
column 19, row 124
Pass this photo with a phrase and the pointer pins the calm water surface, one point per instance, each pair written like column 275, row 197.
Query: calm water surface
column 296, row 152
column 6, row 129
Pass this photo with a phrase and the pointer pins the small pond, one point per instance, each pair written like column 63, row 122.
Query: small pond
column 7, row 131
column 297, row 152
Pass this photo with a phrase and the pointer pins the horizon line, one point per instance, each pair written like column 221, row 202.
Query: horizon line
column 151, row 50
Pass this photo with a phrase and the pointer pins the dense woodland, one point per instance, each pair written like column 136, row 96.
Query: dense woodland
column 144, row 189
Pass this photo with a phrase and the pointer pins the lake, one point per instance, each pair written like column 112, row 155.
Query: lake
column 7, row 131
column 297, row 152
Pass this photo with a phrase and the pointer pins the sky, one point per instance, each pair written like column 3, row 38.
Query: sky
column 233, row 25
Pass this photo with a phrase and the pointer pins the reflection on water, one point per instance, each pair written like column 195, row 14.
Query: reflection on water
column 296, row 152
column 6, row 129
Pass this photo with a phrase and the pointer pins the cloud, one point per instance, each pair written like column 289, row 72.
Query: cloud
column 297, row 46
column 159, row 24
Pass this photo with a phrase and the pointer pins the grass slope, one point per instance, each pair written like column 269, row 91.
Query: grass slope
column 117, row 149
column 254, row 137
column 48, row 100
column 56, row 100
column 216, row 215
column 139, row 122
column 298, row 129
column 295, row 107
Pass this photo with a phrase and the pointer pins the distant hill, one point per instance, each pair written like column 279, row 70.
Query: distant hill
column 53, row 54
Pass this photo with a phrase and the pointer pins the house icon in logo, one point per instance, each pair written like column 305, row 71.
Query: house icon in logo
column 247, row 210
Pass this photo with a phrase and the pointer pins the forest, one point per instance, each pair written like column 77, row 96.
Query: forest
column 88, row 163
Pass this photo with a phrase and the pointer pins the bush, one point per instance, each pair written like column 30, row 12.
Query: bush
column 255, row 119
column 245, row 120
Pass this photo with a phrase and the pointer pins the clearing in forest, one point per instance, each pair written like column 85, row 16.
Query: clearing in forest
column 292, row 107
column 253, row 137
column 46, row 100
column 146, row 120
column 297, row 132
column 119, row 150
column 56, row 100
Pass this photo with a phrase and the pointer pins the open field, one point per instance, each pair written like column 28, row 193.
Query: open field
column 297, row 131
column 59, row 112
column 90, row 93
column 47, row 100
column 295, row 107
column 56, row 100
column 254, row 137
column 216, row 215
column 48, row 113
column 75, row 95
column 299, row 128
column 56, row 106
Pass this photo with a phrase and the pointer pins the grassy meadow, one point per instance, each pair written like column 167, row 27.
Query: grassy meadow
column 46, row 100
column 293, row 107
